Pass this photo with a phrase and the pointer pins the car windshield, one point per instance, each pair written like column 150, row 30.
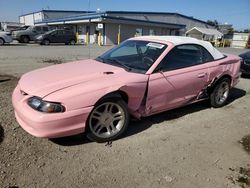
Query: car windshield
column 133, row 55
column 24, row 28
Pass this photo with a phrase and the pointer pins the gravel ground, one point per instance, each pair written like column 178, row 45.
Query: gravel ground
column 194, row 146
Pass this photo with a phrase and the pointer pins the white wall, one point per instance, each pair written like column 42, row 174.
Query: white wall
column 38, row 17
column 21, row 19
column 27, row 20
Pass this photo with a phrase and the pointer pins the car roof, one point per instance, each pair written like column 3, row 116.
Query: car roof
column 178, row 40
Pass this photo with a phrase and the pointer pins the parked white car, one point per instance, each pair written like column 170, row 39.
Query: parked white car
column 5, row 37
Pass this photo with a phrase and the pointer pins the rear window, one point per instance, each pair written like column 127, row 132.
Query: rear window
column 68, row 32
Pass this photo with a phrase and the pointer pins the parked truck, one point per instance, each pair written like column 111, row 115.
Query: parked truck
column 29, row 34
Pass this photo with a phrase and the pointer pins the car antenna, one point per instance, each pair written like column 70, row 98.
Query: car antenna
column 88, row 38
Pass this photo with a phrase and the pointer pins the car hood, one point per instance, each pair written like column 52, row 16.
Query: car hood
column 40, row 36
column 45, row 81
column 245, row 55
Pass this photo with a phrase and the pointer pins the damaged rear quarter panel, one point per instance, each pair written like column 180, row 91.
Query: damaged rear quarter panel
column 229, row 65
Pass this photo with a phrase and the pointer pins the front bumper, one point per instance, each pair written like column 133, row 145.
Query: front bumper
column 15, row 37
column 39, row 41
column 47, row 125
column 245, row 67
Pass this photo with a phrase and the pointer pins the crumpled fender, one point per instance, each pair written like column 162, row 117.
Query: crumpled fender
column 76, row 97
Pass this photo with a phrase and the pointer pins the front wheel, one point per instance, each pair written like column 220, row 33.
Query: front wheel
column 219, row 96
column 46, row 42
column 25, row 39
column 1, row 42
column 72, row 42
column 108, row 120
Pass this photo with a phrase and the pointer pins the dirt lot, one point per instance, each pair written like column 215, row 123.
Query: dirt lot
column 194, row 146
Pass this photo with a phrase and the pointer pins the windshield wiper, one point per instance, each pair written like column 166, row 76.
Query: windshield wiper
column 127, row 68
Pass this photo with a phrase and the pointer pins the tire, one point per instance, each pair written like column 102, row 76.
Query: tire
column 220, row 93
column 1, row 42
column 46, row 42
column 72, row 42
column 108, row 120
column 25, row 39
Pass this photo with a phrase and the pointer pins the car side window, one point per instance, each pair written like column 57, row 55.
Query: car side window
column 67, row 32
column 38, row 29
column 184, row 56
column 60, row 32
column 45, row 29
column 206, row 56
column 54, row 33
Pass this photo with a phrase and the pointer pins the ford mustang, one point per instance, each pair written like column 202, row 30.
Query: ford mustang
column 140, row 77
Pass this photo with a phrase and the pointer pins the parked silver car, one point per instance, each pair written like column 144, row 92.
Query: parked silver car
column 5, row 37
column 29, row 34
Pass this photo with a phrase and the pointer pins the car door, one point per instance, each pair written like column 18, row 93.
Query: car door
column 67, row 36
column 179, row 79
column 61, row 36
column 53, row 36
column 35, row 31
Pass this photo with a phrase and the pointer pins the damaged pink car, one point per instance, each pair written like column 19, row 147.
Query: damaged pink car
column 140, row 77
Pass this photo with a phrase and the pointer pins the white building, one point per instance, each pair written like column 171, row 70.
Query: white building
column 116, row 26
column 207, row 34
column 40, row 16
column 240, row 40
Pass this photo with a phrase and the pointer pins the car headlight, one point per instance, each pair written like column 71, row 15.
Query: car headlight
column 45, row 106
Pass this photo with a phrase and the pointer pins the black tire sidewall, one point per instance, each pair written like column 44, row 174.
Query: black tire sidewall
column 2, row 41
column 213, row 94
column 91, row 136
column 23, row 39
column 70, row 42
column 46, row 43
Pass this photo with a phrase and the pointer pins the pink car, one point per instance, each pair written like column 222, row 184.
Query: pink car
column 140, row 77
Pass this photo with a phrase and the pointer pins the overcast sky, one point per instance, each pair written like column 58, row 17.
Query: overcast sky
column 225, row 11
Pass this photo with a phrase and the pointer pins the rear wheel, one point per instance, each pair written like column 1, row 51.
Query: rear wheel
column 46, row 42
column 72, row 42
column 25, row 39
column 219, row 96
column 108, row 120
column 1, row 42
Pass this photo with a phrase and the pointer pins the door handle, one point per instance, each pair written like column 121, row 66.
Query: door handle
column 201, row 75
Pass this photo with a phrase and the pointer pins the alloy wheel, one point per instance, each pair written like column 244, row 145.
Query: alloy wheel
column 107, row 120
column 222, row 93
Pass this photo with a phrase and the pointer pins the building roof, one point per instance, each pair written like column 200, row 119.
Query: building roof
column 68, row 11
column 109, row 13
column 144, row 22
column 205, row 31
column 178, row 40
column 158, row 13
column 102, row 16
